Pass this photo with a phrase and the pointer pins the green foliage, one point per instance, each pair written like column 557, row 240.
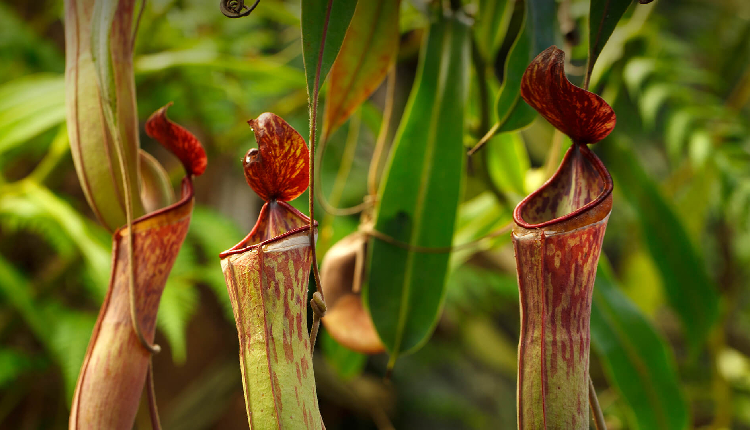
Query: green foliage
column 491, row 26
column 30, row 106
column 677, row 238
column 512, row 112
column 344, row 361
column 603, row 17
column 420, row 194
column 324, row 24
column 636, row 358
column 507, row 163
column 691, row 292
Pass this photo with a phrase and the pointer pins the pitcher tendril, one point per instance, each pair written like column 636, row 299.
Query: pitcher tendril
column 234, row 8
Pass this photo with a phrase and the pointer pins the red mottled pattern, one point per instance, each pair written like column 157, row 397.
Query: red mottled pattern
column 178, row 141
column 267, row 287
column 556, row 274
column 576, row 183
column 557, row 242
column 278, row 168
column 111, row 381
column 583, row 116
column 274, row 219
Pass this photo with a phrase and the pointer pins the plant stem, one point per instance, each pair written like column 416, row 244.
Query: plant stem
column 311, row 203
column 439, row 249
column 152, row 409
column 344, row 167
column 126, row 186
column 59, row 148
column 137, row 24
column 377, row 153
column 489, row 135
column 596, row 410
column 553, row 157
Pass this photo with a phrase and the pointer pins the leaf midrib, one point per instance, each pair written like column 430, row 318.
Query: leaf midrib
column 423, row 185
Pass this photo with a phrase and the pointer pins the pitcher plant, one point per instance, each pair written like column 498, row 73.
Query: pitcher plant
column 557, row 240
column 267, row 276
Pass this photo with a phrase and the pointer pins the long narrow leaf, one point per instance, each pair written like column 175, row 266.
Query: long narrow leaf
column 688, row 287
column 636, row 358
column 420, row 194
column 491, row 26
column 30, row 106
column 324, row 22
column 368, row 51
column 603, row 18
column 533, row 37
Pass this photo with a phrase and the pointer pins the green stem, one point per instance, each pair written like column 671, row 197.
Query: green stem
column 345, row 166
column 152, row 409
column 329, row 205
column 57, row 150
column 311, row 202
column 596, row 410
column 377, row 154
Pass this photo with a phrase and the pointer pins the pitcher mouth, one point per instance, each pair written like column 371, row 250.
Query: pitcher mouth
column 579, row 184
column 251, row 241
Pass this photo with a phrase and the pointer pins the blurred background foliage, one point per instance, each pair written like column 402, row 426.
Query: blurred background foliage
column 671, row 316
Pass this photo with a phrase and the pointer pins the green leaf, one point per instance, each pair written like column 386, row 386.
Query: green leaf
column 533, row 37
column 367, row 53
column 178, row 304
column 491, row 26
column 636, row 359
column 69, row 338
column 20, row 213
column 280, row 77
column 324, row 24
column 344, row 361
column 699, row 148
column 62, row 332
column 653, row 99
column 14, row 363
column 16, row 290
column 420, row 192
column 156, row 189
column 603, row 18
column 636, row 72
column 481, row 290
column 477, row 218
column 95, row 253
column 688, row 287
column 29, row 107
column 679, row 126
column 507, row 163
column 212, row 231
column 521, row 117
column 542, row 23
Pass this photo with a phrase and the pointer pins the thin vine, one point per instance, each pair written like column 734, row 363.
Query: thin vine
column 235, row 8
column 318, row 301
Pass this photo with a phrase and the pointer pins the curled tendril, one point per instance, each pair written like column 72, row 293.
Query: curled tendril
column 235, row 8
